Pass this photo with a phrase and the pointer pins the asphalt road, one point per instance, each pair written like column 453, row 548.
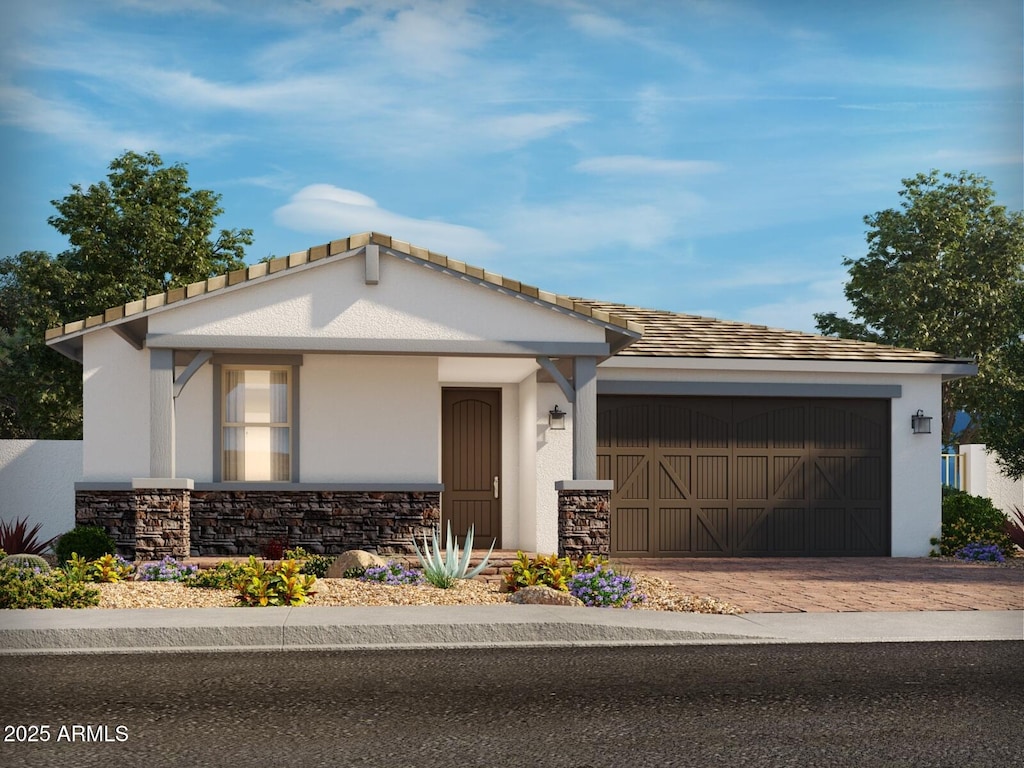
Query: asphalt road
column 920, row 704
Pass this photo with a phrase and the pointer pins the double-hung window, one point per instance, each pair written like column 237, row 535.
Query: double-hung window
column 256, row 424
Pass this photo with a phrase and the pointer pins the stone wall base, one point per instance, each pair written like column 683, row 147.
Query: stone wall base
column 584, row 523
column 150, row 523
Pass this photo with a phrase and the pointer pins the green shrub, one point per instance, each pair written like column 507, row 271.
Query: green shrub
column 968, row 519
column 279, row 585
column 221, row 576
column 547, row 570
column 25, row 561
column 312, row 564
column 355, row 572
column 109, row 569
column 22, row 588
column 89, row 541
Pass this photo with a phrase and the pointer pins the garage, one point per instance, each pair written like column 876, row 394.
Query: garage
column 746, row 476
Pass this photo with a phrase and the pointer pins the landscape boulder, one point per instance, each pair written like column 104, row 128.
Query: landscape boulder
column 541, row 595
column 353, row 558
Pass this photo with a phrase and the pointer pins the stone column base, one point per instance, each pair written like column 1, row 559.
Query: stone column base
column 584, row 517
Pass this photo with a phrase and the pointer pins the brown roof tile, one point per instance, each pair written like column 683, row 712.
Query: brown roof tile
column 669, row 334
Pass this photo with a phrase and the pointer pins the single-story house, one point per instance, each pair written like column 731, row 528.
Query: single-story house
column 361, row 392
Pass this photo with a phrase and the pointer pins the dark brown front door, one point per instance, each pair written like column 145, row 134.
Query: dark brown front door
column 471, row 464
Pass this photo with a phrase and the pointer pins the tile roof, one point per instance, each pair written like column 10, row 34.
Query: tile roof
column 665, row 334
column 669, row 334
column 325, row 252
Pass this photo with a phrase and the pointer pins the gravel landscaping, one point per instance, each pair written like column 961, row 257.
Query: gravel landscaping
column 661, row 596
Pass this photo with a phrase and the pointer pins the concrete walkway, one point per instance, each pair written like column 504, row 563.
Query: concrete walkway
column 831, row 584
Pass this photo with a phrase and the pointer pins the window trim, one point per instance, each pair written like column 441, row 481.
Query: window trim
column 222, row 363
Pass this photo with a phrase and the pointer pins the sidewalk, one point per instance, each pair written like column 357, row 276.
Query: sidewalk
column 326, row 628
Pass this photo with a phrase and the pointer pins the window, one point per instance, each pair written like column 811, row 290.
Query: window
column 256, row 427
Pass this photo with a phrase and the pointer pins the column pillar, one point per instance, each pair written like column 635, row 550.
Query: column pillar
column 584, row 419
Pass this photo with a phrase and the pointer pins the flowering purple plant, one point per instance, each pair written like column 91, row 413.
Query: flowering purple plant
column 977, row 551
column 392, row 574
column 167, row 569
column 604, row 588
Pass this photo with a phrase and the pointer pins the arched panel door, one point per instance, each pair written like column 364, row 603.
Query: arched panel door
column 471, row 464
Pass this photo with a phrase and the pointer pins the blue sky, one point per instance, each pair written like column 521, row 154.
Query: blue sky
column 706, row 156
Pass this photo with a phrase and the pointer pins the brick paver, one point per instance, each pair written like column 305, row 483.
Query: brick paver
column 794, row 585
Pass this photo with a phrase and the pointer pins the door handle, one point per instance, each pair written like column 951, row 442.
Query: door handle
column 495, row 486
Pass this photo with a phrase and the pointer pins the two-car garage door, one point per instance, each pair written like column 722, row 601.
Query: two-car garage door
column 707, row 476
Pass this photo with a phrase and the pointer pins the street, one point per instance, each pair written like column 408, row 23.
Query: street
column 899, row 704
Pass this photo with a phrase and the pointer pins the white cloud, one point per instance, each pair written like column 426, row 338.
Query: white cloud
column 795, row 311
column 324, row 209
column 640, row 165
column 519, row 129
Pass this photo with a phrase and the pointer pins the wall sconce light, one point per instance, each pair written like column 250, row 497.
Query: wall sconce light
column 556, row 418
column 921, row 424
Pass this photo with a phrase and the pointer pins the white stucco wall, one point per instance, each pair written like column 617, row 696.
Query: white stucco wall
column 115, row 403
column 554, row 463
column 193, row 411
column 37, row 482
column 984, row 477
column 331, row 300
column 369, row 419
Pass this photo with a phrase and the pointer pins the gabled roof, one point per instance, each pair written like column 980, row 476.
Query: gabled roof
column 122, row 318
column 669, row 334
column 664, row 334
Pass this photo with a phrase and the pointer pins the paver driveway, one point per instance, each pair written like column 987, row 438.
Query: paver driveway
column 827, row 584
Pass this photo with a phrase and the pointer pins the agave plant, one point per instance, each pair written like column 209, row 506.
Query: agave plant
column 444, row 571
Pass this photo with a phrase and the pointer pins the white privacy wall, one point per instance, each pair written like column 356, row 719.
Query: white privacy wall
column 37, row 481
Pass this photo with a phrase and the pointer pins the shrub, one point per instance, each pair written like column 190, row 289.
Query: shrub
column 167, row 569
column 312, row 564
column 547, row 570
column 392, row 574
column 981, row 552
column 273, row 549
column 604, row 588
column 22, row 588
column 17, row 539
column 89, row 541
column 1015, row 528
column 968, row 519
column 25, row 561
column 279, row 585
column 221, row 576
column 355, row 572
column 109, row 569
column 444, row 570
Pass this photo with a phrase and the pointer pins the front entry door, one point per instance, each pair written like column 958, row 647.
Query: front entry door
column 471, row 464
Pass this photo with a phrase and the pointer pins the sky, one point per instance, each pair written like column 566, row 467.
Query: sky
column 713, row 157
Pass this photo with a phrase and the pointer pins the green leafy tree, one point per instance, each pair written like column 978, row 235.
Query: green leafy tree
column 945, row 272
column 140, row 232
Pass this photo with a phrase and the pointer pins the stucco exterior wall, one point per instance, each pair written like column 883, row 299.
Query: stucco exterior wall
column 369, row 419
column 984, row 477
column 115, row 403
column 37, row 481
column 332, row 300
column 554, row 463
column 195, row 428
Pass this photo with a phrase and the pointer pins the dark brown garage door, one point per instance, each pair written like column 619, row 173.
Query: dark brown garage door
column 746, row 476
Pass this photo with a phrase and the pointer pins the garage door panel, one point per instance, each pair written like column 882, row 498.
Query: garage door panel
column 674, row 477
column 674, row 526
column 712, row 477
column 789, row 480
column 751, row 477
column 631, row 530
column 752, row 530
column 748, row 476
column 710, row 529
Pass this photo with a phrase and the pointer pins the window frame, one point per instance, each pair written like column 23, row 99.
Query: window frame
column 224, row 363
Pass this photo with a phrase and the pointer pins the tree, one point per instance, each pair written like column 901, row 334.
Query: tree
column 946, row 273
column 142, row 231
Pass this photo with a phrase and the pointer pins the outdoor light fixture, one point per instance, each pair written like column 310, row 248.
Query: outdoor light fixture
column 921, row 424
column 556, row 418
